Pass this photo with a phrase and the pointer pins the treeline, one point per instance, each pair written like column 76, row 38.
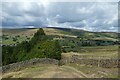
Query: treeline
column 67, row 41
column 98, row 42
column 38, row 47
column 75, row 44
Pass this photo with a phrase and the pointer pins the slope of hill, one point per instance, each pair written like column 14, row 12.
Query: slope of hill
column 73, row 42
column 86, row 34
column 14, row 36
column 69, row 39
column 24, row 33
column 74, row 39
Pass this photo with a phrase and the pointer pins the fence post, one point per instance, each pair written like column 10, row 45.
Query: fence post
column 99, row 61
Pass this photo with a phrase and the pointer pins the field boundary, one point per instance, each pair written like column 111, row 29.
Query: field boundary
column 27, row 63
column 104, row 63
column 99, row 62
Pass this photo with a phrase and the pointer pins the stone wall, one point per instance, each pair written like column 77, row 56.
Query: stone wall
column 27, row 63
column 104, row 62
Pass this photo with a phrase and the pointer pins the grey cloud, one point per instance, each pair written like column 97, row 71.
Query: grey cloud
column 86, row 15
column 73, row 13
column 18, row 14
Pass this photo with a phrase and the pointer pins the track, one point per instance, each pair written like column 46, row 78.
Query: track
column 46, row 72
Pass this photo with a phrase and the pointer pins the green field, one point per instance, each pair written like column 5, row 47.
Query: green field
column 15, row 36
column 68, row 39
column 57, row 43
column 55, row 32
column 101, row 51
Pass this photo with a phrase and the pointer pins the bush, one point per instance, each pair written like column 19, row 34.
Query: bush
column 14, row 39
column 48, row 49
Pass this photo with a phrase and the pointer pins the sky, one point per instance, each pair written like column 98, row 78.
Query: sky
column 90, row 16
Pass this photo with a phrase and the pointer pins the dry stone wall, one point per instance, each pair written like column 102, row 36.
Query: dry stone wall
column 27, row 63
column 105, row 63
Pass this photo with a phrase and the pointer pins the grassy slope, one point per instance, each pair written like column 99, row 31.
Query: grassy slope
column 71, row 34
column 43, row 71
column 57, row 31
column 11, row 33
column 90, row 35
column 94, row 51
column 100, row 52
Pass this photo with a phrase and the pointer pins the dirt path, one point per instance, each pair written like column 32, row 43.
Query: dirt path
column 47, row 72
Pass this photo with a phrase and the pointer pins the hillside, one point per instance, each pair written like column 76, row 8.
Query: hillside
column 26, row 33
column 13, row 36
column 69, row 39
column 74, row 39
column 83, row 34
column 59, row 44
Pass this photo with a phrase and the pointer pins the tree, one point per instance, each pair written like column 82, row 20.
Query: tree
column 6, row 56
column 38, row 36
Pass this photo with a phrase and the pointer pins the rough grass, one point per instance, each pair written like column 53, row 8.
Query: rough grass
column 96, row 72
column 19, row 39
column 19, row 31
column 11, row 33
column 52, row 31
column 44, row 71
column 65, row 71
column 96, row 52
column 26, row 72
column 101, row 51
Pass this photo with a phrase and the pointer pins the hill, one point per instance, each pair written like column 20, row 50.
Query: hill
column 85, row 34
column 74, row 39
column 14, row 36
column 59, row 43
column 112, row 36
column 69, row 39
